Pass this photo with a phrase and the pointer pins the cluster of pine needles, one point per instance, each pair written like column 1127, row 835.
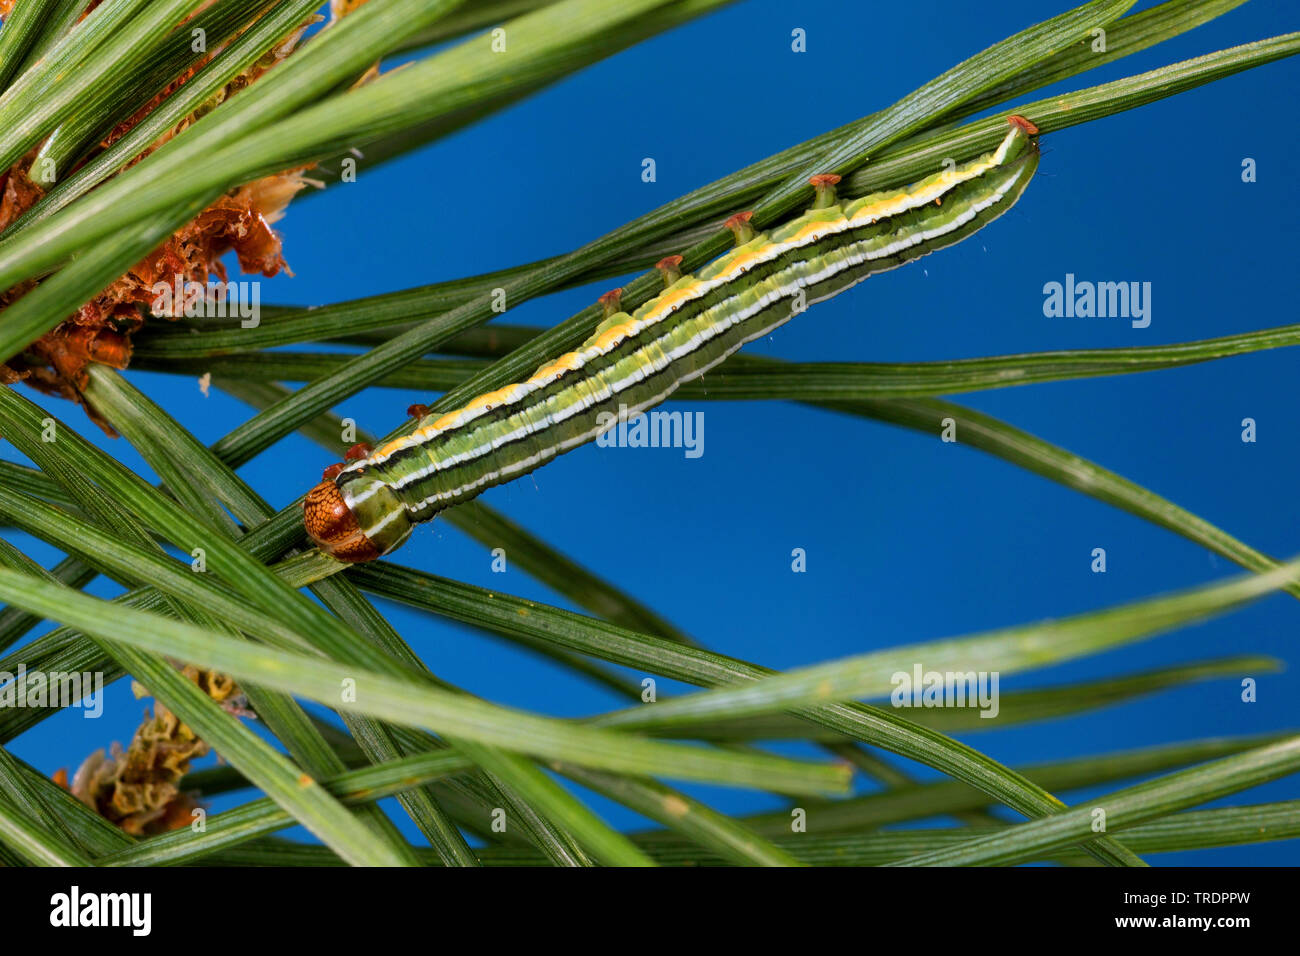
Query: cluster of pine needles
column 145, row 138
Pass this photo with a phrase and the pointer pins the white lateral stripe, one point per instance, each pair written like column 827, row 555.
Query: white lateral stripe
column 522, row 390
column 607, row 391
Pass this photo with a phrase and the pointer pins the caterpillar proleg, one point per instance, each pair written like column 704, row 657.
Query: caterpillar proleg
column 366, row 508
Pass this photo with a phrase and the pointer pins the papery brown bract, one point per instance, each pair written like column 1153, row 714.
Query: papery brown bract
column 138, row 788
column 100, row 331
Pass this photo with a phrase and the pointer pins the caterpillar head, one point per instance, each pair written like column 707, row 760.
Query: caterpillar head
column 355, row 518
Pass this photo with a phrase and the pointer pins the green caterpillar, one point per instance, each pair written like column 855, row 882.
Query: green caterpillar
column 367, row 508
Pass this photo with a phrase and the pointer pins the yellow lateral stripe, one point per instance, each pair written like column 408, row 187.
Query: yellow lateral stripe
column 920, row 195
column 682, row 292
column 663, row 306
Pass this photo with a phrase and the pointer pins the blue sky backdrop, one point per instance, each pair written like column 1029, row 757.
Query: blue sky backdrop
column 907, row 538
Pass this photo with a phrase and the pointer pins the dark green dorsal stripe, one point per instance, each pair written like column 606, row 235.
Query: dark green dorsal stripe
column 693, row 325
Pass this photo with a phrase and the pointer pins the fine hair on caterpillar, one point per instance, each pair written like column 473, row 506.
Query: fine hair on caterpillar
column 365, row 508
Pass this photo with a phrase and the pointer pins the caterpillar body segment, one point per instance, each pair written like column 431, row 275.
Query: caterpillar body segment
column 636, row 360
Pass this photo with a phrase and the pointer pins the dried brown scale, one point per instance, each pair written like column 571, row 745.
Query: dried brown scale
column 121, row 129
column 239, row 82
column 241, row 220
column 100, row 331
column 138, row 789
column 19, row 192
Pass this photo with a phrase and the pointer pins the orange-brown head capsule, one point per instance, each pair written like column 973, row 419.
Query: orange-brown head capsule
column 334, row 527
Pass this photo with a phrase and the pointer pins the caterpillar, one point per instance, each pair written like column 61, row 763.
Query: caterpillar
column 366, row 508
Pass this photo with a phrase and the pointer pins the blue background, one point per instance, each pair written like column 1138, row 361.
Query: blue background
column 907, row 538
